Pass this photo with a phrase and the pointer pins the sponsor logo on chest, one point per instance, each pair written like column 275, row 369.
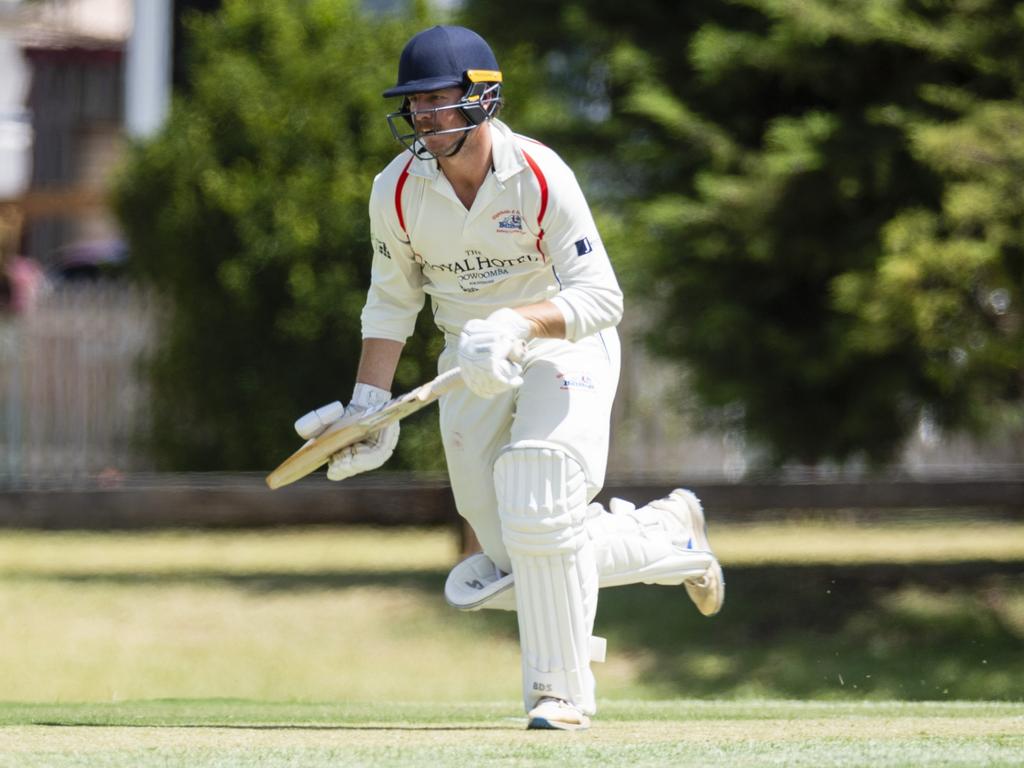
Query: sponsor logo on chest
column 476, row 270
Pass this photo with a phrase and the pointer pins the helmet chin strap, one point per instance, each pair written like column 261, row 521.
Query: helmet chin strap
column 458, row 145
column 425, row 154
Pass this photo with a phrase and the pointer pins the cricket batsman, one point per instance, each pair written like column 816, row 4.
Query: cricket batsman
column 494, row 228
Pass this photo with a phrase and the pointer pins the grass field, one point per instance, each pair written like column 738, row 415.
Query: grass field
column 882, row 645
column 678, row 733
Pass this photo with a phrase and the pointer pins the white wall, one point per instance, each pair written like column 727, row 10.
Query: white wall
column 15, row 128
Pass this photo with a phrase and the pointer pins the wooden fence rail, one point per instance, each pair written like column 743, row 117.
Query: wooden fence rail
column 386, row 498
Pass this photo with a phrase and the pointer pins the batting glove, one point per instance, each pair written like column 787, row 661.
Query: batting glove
column 363, row 456
column 484, row 350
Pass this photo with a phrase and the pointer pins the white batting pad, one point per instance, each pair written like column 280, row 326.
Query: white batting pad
column 542, row 504
column 654, row 544
column 476, row 583
column 650, row 545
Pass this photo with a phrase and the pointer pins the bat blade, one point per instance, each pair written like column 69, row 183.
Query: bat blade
column 348, row 431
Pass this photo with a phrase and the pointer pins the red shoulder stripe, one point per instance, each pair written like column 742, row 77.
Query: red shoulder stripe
column 543, row 186
column 398, row 195
column 543, row 197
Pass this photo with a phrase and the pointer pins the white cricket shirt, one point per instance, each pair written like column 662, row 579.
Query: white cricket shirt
column 529, row 236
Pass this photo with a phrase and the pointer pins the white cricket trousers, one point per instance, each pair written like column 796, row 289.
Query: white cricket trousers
column 564, row 404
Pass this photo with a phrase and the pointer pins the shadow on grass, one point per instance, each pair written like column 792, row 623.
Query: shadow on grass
column 877, row 632
column 72, row 723
column 258, row 581
column 920, row 632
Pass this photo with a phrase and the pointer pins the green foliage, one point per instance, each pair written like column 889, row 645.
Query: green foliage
column 818, row 202
column 952, row 279
column 248, row 212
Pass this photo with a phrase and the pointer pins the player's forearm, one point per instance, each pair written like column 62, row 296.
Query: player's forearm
column 378, row 362
column 589, row 308
column 546, row 318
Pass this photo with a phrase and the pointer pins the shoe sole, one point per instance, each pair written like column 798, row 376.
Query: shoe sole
column 544, row 724
column 700, row 534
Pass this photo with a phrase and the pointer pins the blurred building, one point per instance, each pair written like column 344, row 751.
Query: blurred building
column 76, row 78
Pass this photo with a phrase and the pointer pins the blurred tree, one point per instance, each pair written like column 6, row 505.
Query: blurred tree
column 248, row 213
column 818, row 201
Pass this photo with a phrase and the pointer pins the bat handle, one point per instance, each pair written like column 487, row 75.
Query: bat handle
column 447, row 381
column 452, row 379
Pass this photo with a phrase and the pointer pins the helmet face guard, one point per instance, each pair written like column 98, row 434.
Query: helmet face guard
column 480, row 103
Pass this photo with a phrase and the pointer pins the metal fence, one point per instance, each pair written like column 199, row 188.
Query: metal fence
column 71, row 394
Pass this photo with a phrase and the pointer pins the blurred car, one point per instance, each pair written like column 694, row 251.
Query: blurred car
column 90, row 260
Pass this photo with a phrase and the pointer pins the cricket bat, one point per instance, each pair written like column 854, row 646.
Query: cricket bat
column 347, row 431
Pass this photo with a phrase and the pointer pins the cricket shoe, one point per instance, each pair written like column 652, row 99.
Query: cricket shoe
column 476, row 583
column 708, row 590
column 556, row 715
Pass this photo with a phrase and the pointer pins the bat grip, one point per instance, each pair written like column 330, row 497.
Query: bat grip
column 448, row 381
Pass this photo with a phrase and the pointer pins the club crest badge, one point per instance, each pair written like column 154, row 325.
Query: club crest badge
column 509, row 221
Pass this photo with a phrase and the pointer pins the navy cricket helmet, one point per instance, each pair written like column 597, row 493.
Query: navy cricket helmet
column 447, row 57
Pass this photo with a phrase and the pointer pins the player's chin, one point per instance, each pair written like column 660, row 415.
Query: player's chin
column 440, row 145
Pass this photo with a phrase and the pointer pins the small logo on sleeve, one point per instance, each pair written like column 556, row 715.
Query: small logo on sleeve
column 583, row 247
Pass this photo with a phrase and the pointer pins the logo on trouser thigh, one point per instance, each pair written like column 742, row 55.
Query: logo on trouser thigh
column 580, row 382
